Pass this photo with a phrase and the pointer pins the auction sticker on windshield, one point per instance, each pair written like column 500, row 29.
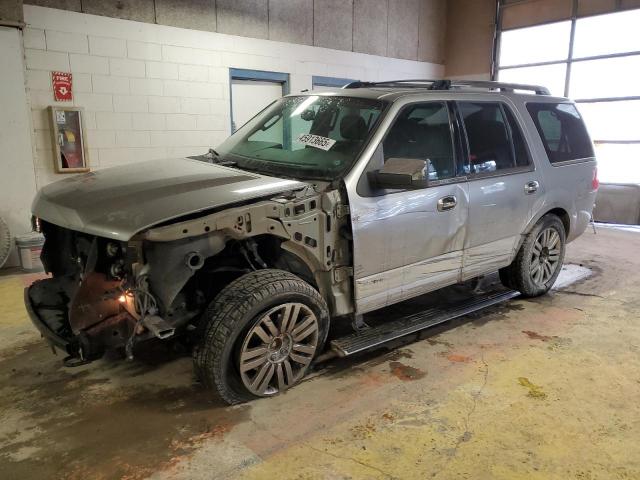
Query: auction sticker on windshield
column 317, row 141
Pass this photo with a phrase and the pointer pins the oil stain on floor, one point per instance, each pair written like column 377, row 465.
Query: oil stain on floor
column 406, row 372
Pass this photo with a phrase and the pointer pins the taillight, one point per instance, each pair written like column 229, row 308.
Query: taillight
column 595, row 183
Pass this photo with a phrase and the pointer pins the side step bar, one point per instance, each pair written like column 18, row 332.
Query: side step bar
column 372, row 337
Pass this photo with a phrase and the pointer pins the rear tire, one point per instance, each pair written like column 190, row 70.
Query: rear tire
column 539, row 260
column 261, row 333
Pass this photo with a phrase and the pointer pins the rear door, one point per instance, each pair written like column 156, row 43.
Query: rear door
column 408, row 242
column 502, row 185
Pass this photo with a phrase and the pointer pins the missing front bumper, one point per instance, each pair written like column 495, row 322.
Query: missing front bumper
column 47, row 302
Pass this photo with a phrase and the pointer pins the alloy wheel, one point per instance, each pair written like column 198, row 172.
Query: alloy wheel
column 278, row 349
column 545, row 256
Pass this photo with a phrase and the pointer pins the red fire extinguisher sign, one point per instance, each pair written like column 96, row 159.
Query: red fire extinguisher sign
column 61, row 86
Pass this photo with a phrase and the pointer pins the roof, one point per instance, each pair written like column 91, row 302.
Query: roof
column 393, row 89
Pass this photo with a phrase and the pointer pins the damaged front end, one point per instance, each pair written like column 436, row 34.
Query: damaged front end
column 138, row 252
column 95, row 300
column 109, row 293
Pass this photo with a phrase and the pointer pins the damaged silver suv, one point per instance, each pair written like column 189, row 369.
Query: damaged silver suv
column 322, row 208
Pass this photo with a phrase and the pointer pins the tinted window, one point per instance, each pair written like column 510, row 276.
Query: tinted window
column 422, row 132
column 490, row 146
column 562, row 131
column 519, row 146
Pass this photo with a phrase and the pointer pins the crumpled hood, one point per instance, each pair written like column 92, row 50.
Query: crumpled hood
column 122, row 201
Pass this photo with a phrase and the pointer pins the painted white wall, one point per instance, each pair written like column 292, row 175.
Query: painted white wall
column 153, row 91
column 17, row 181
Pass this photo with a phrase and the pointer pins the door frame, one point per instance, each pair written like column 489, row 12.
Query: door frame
column 256, row 76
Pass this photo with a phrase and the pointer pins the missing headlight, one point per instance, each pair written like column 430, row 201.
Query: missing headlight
column 117, row 269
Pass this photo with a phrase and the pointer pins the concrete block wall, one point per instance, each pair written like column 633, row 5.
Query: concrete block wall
column 407, row 29
column 152, row 91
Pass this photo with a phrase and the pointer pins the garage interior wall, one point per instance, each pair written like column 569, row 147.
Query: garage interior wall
column 469, row 38
column 407, row 29
column 470, row 31
column 154, row 91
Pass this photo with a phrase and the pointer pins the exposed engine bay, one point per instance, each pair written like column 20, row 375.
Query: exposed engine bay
column 94, row 300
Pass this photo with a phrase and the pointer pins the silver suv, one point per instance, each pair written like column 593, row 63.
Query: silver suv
column 322, row 208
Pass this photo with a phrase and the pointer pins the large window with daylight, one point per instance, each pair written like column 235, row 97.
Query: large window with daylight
column 595, row 61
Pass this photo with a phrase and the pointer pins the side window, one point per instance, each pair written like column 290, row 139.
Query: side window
column 422, row 132
column 490, row 148
column 562, row 131
column 519, row 146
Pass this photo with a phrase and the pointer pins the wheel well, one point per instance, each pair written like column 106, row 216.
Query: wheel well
column 563, row 216
column 239, row 258
column 558, row 212
column 271, row 251
column 267, row 253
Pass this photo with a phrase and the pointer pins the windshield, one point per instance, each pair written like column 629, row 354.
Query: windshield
column 304, row 137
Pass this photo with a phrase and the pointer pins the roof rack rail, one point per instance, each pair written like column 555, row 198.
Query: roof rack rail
column 450, row 84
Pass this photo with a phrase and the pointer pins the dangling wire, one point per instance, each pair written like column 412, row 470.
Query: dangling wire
column 144, row 303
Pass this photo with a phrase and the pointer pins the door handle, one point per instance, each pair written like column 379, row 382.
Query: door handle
column 531, row 187
column 447, row 203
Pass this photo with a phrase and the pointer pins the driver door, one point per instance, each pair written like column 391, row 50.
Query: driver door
column 410, row 241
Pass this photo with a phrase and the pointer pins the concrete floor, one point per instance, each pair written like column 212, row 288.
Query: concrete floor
column 538, row 389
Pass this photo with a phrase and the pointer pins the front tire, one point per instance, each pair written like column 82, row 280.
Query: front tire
column 539, row 260
column 261, row 333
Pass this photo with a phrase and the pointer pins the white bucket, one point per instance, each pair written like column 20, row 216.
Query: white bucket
column 29, row 248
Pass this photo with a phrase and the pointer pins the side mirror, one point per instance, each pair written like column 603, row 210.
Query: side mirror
column 402, row 173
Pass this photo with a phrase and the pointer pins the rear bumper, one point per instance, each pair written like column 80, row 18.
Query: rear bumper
column 52, row 337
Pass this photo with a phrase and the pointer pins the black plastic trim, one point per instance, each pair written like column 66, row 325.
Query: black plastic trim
column 52, row 337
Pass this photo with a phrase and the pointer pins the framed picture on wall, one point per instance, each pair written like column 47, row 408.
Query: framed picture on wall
column 69, row 145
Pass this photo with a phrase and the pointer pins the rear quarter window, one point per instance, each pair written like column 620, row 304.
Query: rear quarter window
column 562, row 131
